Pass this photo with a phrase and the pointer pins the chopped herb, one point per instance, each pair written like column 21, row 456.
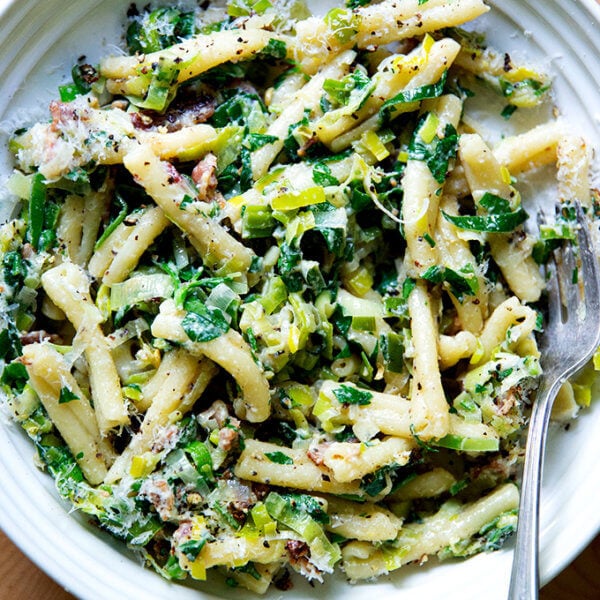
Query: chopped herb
column 254, row 141
column 322, row 175
column 15, row 376
column 461, row 282
column 346, row 394
column 508, row 111
column 429, row 240
column 203, row 323
column 192, row 548
column 14, row 268
column 279, row 457
column 66, row 395
column 437, row 153
column 408, row 286
column 492, row 223
column 185, row 202
column 423, row 92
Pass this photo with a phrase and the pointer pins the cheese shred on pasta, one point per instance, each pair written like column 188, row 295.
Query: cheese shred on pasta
column 270, row 298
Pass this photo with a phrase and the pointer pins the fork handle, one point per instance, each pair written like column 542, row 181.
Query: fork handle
column 525, row 578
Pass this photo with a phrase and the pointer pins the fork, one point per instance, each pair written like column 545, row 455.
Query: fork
column 572, row 335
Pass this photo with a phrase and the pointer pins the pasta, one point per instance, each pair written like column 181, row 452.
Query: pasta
column 270, row 303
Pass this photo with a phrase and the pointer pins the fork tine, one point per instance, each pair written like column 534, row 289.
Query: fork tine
column 589, row 266
column 554, row 303
column 568, row 279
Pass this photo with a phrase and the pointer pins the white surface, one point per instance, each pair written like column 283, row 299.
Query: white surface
column 40, row 42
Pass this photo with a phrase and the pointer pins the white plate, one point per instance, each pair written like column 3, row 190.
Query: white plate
column 39, row 43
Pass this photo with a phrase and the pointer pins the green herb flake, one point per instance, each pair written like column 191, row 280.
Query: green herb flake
column 66, row 395
column 323, row 176
column 408, row 286
column 203, row 323
column 491, row 223
column 508, row 111
column 279, row 458
column 15, row 376
column 192, row 548
column 460, row 282
column 351, row 395
column 423, row 92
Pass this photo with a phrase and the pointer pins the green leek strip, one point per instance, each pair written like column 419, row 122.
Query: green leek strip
column 140, row 288
column 114, row 223
column 323, row 552
column 37, row 202
column 469, row 437
column 491, row 223
column 423, row 92
column 257, row 222
column 457, row 442
column 274, row 294
column 292, row 200
column 201, row 458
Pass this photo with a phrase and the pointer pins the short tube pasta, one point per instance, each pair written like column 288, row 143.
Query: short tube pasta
column 429, row 409
column 68, row 287
column 76, row 421
column 229, row 351
column 168, row 189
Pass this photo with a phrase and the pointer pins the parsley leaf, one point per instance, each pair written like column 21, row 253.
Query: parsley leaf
column 491, row 223
column 423, row 92
column 437, row 153
column 203, row 323
column 66, row 395
column 461, row 282
column 351, row 395
column 279, row 457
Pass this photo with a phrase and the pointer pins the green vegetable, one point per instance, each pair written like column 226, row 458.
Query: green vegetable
column 437, row 153
column 10, row 343
column 203, row 323
column 279, row 457
column 244, row 8
column 351, row 395
column 461, row 282
column 466, row 444
column 492, row 223
column 14, row 268
column 66, row 395
column 322, row 175
column 15, row 376
column 162, row 86
column 158, row 29
column 115, row 222
column 343, row 22
column 424, row 92
column 353, row 89
column 324, row 554
column 140, row 288
column 37, row 203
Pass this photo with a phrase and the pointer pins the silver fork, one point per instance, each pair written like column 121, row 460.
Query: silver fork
column 571, row 336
